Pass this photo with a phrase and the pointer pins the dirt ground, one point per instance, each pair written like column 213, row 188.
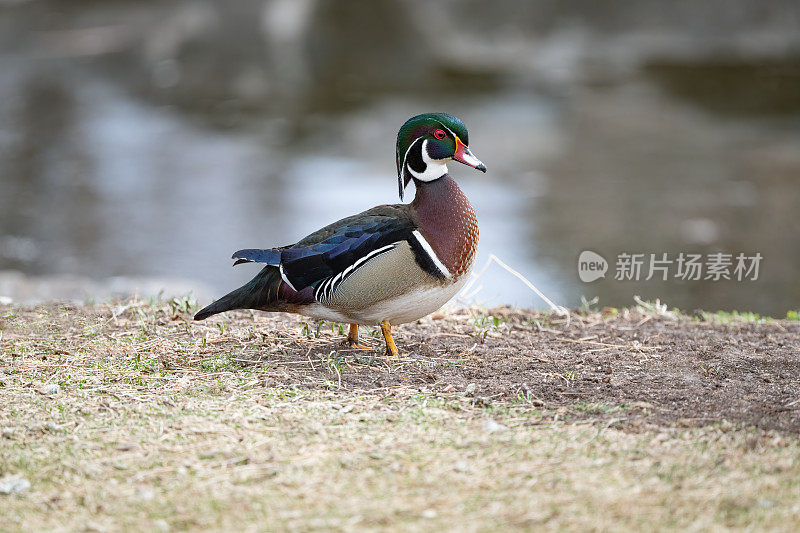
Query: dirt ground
column 632, row 365
column 133, row 417
column 661, row 370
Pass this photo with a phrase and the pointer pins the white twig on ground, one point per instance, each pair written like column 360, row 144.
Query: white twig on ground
column 563, row 311
column 655, row 307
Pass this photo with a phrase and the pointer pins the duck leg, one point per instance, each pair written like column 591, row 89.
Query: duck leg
column 352, row 337
column 391, row 349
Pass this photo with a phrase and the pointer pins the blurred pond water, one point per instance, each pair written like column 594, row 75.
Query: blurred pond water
column 151, row 141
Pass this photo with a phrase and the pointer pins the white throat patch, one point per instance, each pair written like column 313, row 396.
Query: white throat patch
column 434, row 169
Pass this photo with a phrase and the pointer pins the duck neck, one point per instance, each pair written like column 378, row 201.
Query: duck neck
column 447, row 221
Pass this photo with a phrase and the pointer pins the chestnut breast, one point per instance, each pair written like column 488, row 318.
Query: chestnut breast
column 448, row 222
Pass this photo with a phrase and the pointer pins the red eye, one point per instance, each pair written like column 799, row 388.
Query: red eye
column 439, row 134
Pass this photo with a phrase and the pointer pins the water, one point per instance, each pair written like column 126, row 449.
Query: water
column 109, row 170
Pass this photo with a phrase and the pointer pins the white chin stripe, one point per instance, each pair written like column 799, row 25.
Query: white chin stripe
column 434, row 169
column 428, row 250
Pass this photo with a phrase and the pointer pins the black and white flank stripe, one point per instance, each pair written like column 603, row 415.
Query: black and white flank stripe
column 326, row 289
column 426, row 257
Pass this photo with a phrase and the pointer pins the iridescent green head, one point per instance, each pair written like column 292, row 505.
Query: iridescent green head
column 425, row 143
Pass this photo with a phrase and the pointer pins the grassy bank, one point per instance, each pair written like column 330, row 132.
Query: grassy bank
column 132, row 416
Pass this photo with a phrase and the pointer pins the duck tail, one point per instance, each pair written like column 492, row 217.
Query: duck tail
column 259, row 293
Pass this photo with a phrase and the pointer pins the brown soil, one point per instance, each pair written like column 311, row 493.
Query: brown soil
column 633, row 368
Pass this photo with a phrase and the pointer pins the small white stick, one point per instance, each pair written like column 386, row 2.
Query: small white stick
column 556, row 308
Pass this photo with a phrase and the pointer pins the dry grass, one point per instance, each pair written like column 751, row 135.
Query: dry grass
column 163, row 424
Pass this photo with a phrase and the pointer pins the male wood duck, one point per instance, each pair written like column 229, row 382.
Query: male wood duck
column 391, row 264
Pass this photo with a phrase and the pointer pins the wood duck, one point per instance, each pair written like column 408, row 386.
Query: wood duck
column 391, row 264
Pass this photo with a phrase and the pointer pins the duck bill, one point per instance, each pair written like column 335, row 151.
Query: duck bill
column 463, row 155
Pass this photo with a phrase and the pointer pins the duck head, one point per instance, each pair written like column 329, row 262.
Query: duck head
column 426, row 143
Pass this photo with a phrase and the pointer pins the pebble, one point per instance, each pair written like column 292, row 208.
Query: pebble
column 145, row 493
column 50, row 389
column 491, row 425
column 14, row 485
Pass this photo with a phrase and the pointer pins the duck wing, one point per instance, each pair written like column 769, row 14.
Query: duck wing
column 338, row 249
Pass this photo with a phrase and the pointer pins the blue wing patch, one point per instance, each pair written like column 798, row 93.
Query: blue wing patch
column 254, row 255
